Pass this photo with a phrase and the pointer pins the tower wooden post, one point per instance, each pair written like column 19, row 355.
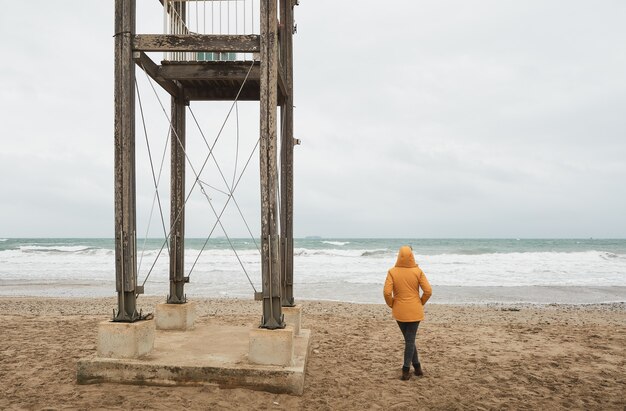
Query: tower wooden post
column 286, row 157
column 177, row 194
column 270, row 240
column 177, row 204
column 124, row 126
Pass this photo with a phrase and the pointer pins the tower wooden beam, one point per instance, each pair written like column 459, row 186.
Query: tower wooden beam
column 241, row 43
column 210, row 71
column 286, row 155
column 125, row 193
column 153, row 70
column 177, row 194
column 226, row 93
column 270, row 242
column 177, row 203
column 282, row 84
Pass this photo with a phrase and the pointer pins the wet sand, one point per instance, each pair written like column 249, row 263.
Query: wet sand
column 498, row 356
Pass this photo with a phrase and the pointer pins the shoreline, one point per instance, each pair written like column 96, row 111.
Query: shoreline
column 618, row 305
column 356, row 293
column 102, row 307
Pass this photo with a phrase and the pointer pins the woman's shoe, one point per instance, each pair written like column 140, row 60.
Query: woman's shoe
column 406, row 374
column 418, row 370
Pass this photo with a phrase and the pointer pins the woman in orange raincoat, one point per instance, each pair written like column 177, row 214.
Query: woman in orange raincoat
column 401, row 293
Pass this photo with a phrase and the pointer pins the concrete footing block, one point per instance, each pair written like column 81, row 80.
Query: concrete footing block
column 125, row 340
column 179, row 317
column 293, row 317
column 271, row 347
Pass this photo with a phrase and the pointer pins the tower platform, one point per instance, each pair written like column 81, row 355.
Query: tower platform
column 208, row 354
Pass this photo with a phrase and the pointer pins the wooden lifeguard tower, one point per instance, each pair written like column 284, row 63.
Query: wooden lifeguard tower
column 200, row 66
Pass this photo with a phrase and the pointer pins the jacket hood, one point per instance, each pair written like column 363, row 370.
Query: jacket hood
column 405, row 257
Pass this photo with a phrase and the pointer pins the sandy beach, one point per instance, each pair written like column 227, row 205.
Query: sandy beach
column 512, row 356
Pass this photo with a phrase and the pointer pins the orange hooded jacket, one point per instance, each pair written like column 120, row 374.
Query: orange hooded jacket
column 402, row 288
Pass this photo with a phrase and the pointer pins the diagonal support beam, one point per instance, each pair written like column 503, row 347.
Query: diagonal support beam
column 282, row 84
column 153, row 70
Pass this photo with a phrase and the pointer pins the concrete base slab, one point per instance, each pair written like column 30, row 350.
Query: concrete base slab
column 125, row 340
column 208, row 354
column 293, row 317
column 175, row 316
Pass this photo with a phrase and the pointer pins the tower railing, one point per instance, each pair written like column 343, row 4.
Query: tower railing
column 210, row 17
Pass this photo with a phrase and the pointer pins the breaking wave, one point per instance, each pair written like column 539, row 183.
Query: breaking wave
column 339, row 243
column 56, row 249
column 374, row 253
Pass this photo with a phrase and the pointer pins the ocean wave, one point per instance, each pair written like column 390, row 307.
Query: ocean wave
column 475, row 251
column 609, row 256
column 56, row 249
column 327, row 252
column 459, row 258
column 336, row 252
column 2, row 240
column 339, row 243
column 529, row 255
column 373, row 253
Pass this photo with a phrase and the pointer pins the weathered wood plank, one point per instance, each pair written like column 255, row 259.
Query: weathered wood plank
column 210, row 71
column 250, row 92
column 153, row 70
column 249, row 43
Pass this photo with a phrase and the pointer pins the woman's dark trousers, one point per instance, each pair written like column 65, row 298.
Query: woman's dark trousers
column 409, row 331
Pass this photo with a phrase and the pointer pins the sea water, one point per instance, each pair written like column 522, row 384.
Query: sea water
column 460, row 270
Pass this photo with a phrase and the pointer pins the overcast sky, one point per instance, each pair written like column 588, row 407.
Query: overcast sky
column 417, row 119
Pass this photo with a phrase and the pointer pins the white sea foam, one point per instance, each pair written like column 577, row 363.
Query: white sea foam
column 2, row 240
column 339, row 243
column 345, row 270
column 589, row 268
